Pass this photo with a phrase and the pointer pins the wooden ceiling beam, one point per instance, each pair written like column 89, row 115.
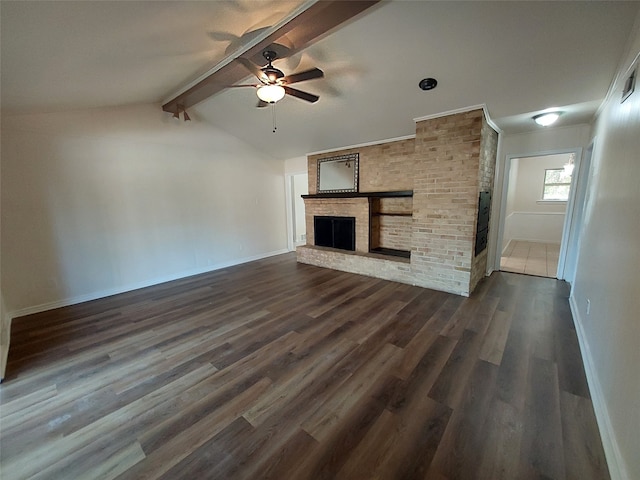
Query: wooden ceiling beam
column 302, row 31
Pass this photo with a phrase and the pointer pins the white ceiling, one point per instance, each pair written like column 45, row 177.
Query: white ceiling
column 518, row 58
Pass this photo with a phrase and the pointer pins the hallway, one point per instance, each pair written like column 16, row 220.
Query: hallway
column 531, row 258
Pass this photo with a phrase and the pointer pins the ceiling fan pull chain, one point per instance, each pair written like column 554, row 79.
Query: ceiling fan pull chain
column 273, row 116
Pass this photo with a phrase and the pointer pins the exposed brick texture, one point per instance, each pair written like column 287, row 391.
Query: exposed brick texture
column 449, row 162
column 343, row 207
column 486, row 174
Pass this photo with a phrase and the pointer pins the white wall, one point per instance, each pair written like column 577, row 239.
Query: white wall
column 295, row 165
column 527, row 216
column 101, row 201
column 607, row 274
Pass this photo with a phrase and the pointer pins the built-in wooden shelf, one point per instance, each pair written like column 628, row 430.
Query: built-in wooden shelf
column 391, row 252
column 400, row 193
column 392, row 214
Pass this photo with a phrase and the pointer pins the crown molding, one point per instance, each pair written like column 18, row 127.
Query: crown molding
column 470, row 108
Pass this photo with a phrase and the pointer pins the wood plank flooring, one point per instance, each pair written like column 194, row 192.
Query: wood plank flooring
column 280, row 370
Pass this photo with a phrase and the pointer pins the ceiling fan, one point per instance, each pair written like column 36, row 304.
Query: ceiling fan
column 274, row 84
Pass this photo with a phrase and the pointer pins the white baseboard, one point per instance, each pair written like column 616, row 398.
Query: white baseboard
column 534, row 240
column 135, row 286
column 506, row 246
column 616, row 464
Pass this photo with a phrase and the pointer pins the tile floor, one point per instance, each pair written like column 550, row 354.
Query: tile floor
column 531, row 258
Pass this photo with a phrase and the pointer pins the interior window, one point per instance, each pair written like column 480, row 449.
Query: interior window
column 557, row 183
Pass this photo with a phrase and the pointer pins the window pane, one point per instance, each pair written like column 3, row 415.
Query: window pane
column 556, row 192
column 557, row 176
column 556, row 184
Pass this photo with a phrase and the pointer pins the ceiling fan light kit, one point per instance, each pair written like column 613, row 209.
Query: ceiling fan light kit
column 270, row 93
column 274, row 84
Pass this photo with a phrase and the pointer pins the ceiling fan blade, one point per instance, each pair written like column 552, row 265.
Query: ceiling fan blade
column 303, row 76
column 253, row 68
column 309, row 97
column 254, row 85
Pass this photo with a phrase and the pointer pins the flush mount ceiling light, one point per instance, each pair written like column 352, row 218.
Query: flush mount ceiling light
column 270, row 93
column 546, row 119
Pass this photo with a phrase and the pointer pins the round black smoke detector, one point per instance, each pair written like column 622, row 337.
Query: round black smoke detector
column 428, row 83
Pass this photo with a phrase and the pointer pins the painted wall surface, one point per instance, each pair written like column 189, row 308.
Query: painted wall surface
column 608, row 274
column 529, row 184
column 529, row 218
column 101, row 201
column 511, row 192
column 295, row 165
column 510, row 201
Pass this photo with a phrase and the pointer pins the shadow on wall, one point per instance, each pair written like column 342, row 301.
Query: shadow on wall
column 103, row 201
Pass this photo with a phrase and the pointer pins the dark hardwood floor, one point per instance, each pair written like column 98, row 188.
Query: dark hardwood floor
column 280, row 370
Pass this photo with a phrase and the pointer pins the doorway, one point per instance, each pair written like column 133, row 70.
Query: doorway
column 296, row 186
column 538, row 197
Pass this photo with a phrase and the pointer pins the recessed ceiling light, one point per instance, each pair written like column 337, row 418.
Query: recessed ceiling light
column 546, row 119
column 428, row 83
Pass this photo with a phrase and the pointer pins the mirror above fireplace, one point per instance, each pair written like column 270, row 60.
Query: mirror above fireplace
column 338, row 174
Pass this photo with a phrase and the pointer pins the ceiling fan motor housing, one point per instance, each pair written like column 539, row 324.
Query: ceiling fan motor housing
column 272, row 73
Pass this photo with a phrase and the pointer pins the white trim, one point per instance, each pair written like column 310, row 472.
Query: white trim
column 135, row 286
column 568, row 219
column 537, row 213
column 366, row 144
column 507, row 246
column 288, row 198
column 495, row 235
column 506, row 162
column 456, row 111
column 292, row 244
column 615, row 462
column 532, row 240
column 582, row 189
column 419, row 119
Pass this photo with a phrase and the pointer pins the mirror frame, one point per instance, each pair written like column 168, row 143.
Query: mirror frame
column 352, row 157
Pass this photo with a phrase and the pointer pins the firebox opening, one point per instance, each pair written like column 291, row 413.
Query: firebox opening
column 335, row 232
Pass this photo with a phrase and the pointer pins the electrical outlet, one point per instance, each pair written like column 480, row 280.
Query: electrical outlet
column 588, row 306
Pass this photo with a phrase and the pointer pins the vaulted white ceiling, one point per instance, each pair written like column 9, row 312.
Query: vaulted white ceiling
column 518, row 58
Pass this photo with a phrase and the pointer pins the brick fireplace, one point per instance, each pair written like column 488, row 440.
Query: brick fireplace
column 416, row 208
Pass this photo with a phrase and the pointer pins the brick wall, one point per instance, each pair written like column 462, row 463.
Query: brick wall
column 486, row 174
column 343, row 207
column 451, row 159
column 393, row 229
column 388, row 166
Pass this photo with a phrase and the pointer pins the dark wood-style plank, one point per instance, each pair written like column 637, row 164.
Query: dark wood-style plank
column 275, row 369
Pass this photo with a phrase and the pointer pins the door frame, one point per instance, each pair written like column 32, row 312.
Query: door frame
column 290, row 208
column 567, row 226
column 582, row 179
